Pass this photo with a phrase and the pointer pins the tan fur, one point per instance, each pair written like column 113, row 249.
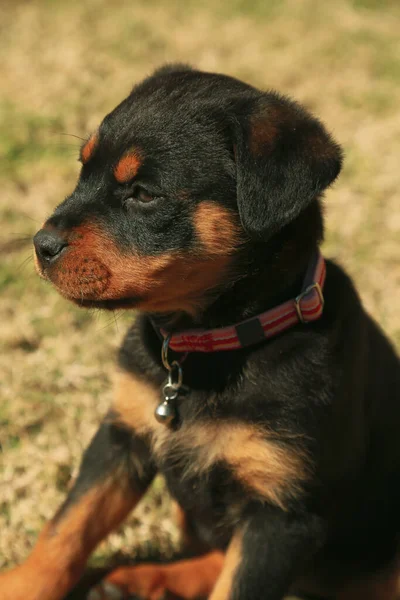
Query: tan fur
column 262, row 136
column 127, row 167
column 266, row 469
column 135, row 401
column 36, row 263
column 224, row 585
column 89, row 148
column 217, row 228
column 94, row 268
column 265, row 127
column 260, row 464
column 75, row 531
column 60, row 554
column 185, row 579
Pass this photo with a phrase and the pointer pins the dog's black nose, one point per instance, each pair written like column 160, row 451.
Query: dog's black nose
column 48, row 246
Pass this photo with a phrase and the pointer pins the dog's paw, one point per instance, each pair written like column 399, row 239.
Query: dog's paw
column 144, row 582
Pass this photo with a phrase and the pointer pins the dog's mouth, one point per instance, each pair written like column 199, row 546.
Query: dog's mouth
column 123, row 302
column 110, row 304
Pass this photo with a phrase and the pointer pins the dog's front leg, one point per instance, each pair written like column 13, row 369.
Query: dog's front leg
column 115, row 472
column 265, row 555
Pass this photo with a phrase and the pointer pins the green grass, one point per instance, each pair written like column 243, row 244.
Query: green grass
column 25, row 140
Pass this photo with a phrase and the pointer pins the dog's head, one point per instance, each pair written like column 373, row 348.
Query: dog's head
column 185, row 172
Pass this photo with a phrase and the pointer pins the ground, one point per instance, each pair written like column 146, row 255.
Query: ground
column 63, row 66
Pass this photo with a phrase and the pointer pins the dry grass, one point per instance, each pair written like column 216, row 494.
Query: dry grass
column 64, row 65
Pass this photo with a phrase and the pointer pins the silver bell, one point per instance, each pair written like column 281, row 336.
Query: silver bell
column 165, row 413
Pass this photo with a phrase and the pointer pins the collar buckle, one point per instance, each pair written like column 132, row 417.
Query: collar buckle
column 297, row 301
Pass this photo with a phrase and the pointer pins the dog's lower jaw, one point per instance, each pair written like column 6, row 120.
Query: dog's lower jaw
column 109, row 304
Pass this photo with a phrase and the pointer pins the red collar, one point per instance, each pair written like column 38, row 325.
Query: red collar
column 306, row 307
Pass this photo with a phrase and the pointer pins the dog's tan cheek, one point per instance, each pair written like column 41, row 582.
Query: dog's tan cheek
column 95, row 268
column 82, row 277
column 218, row 229
column 129, row 274
column 138, row 276
column 185, row 283
column 174, row 282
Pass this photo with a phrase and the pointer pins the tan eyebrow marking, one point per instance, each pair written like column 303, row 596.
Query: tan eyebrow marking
column 127, row 167
column 88, row 149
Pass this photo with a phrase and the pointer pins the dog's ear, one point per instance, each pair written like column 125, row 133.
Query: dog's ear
column 284, row 158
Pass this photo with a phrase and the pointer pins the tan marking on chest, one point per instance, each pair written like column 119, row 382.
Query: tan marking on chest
column 135, row 401
column 268, row 470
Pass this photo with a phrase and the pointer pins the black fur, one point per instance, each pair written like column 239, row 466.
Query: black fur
column 113, row 453
column 330, row 389
column 279, row 540
column 275, row 183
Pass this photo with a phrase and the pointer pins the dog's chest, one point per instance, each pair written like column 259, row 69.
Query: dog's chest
column 260, row 466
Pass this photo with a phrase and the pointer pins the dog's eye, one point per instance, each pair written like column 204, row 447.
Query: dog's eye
column 142, row 195
column 139, row 194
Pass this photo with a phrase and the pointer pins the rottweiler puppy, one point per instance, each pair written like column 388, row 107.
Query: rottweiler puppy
column 252, row 379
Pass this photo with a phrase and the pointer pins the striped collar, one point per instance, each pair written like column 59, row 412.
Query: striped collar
column 306, row 307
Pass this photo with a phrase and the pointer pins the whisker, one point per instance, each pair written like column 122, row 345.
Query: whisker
column 24, row 263
column 62, row 145
column 75, row 136
column 108, row 322
column 15, row 244
column 24, row 214
column 112, row 320
column 19, row 237
column 115, row 320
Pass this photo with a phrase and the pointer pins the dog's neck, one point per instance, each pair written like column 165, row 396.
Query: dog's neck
column 253, row 294
column 272, row 273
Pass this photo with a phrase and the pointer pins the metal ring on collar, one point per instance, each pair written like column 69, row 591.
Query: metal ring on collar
column 175, row 367
column 164, row 354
